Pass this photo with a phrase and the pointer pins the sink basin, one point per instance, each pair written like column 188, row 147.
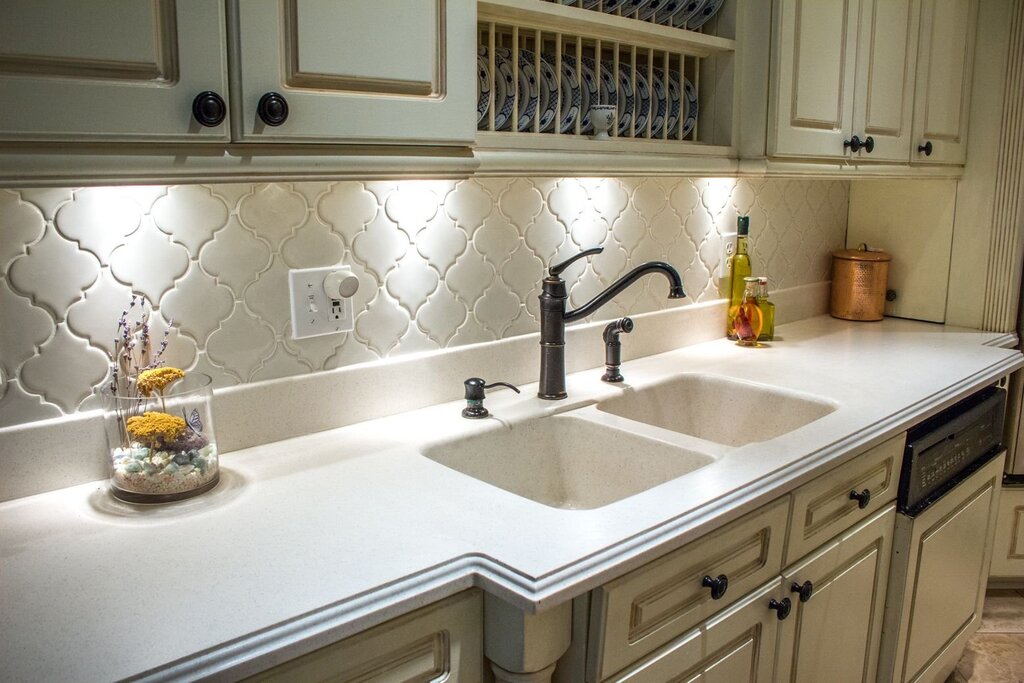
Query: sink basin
column 724, row 411
column 567, row 462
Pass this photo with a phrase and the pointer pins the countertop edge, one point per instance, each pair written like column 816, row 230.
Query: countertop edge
column 268, row 647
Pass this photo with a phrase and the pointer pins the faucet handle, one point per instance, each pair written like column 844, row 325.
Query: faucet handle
column 556, row 270
column 475, row 396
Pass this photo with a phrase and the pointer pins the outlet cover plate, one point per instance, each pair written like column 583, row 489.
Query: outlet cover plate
column 313, row 313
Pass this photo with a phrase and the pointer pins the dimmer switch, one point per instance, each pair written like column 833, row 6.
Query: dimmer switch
column 321, row 300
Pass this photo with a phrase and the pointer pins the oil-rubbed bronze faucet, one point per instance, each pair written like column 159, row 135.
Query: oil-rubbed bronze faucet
column 553, row 315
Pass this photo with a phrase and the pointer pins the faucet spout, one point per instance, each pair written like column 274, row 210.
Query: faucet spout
column 554, row 316
column 675, row 288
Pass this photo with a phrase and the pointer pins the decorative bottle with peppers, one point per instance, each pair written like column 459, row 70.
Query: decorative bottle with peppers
column 740, row 271
column 767, row 310
column 746, row 316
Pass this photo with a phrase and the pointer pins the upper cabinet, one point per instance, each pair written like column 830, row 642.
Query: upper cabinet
column 388, row 71
column 871, row 80
column 383, row 72
column 942, row 99
column 125, row 70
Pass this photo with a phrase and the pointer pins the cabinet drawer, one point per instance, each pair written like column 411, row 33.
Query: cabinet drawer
column 736, row 645
column 637, row 613
column 443, row 641
column 823, row 508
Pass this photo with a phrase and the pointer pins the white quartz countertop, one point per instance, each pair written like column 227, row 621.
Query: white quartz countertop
column 312, row 539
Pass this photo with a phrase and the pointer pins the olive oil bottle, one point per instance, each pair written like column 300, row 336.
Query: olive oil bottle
column 767, row 311
column 739, row 272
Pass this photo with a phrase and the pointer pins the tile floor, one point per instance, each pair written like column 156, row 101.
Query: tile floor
column 996, row 652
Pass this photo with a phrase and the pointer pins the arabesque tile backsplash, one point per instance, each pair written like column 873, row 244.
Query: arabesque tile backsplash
column 441, row 263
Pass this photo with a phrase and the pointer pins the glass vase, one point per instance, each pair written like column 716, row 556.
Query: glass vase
column 162, row 447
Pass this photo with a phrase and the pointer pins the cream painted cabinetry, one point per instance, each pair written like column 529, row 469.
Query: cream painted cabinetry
column 121, row 70
column 389, row 71
column 1008, row 552
column 871, row 80
column 945, row 62
column 440, row 642
column 834, row 634
column 383, row 71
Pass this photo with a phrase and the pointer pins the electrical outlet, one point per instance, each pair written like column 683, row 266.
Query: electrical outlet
column 728, row 250
column 321, row 300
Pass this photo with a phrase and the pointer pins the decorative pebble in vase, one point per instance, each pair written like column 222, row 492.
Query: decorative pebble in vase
column 158, row 422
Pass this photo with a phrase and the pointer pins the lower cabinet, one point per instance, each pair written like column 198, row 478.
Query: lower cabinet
column 440, row 642
column 736, row 645
column 838, row 598
column 1008, row 553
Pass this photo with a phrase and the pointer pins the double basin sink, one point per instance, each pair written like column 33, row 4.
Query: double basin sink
column 599, row 454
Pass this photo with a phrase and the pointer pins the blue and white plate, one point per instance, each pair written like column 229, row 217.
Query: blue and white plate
column 690, row 98
column 571, row 96
column 659, row 100
column 690, row 8
column 651, row 8
column 504, row 96
column 704, row 14
column 547, row 86
column 642, row 102
column 483, row 89
column 529, row 90
column 629, row 8
column 589, row 92
column 610, row 94
column 669, row 9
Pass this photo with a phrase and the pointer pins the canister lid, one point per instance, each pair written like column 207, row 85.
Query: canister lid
column 862, row 253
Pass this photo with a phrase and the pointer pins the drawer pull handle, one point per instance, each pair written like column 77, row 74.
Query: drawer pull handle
column 781, row 607
column 869, row 144
column 718, row 586
column 854, row 144
column 925, row 149
column 805, row 590
column 862, row 498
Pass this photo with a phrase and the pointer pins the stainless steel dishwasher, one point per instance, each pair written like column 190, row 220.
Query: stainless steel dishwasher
column 948, row 495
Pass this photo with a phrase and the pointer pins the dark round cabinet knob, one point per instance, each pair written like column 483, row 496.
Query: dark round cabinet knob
column 862, row 498
column 853, row 143
column 805, row 590
column 869, row 144
column 718, row 586
column 891, row 295
column 781, row 607
column 208, row 109
column 272, row 109
column 925, row 149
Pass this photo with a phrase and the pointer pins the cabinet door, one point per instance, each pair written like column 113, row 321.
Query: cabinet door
column 813, row 55
column 834, row 635
column 116, row 70
column 1008, row 551
column 382, row 71
column 884, row 87
column 943, row 91
column 737, row 646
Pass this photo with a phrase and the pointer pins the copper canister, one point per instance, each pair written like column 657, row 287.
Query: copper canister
column 859, row 279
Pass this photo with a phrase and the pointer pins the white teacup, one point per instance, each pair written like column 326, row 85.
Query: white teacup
column 601, row 118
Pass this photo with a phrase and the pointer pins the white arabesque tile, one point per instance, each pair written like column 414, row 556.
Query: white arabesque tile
column 53, row 272
column 190, row 214
column 21, row 224
column 65, row 370
column 99, row 219
column 149, row 262
column 440, row 263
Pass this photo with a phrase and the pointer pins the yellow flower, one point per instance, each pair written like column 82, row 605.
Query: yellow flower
column 155, row 429
column 157, row 379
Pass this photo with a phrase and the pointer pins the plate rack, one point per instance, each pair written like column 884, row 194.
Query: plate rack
column 623, row 45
